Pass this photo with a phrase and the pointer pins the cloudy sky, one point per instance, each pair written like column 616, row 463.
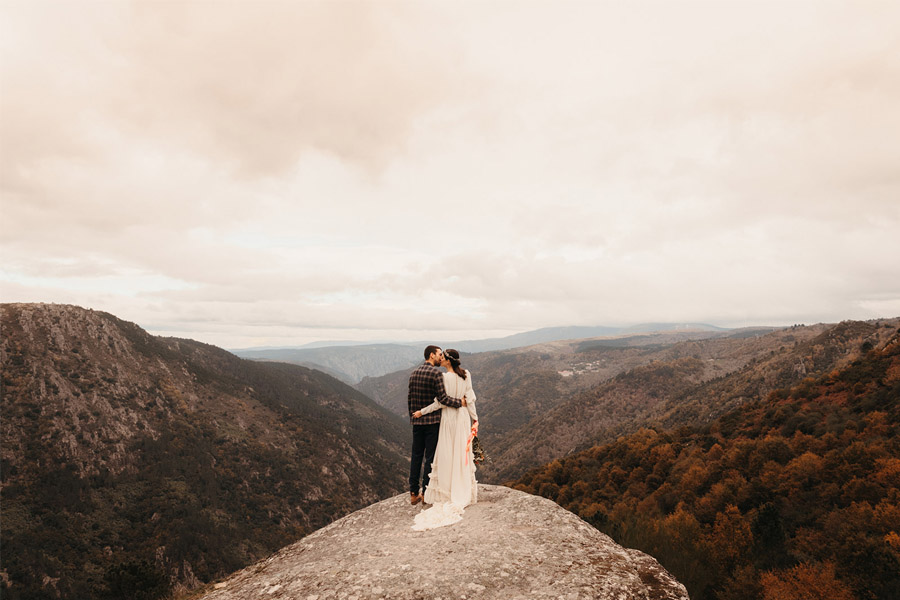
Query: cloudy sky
column 274, row 173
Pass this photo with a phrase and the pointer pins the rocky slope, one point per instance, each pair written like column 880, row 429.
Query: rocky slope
column 509, row 545
column 133, row 460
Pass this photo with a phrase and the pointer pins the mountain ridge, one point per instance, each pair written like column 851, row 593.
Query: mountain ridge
column 354, row 361
column 158, row 463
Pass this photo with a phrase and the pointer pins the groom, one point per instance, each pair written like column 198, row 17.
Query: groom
column 425, row 385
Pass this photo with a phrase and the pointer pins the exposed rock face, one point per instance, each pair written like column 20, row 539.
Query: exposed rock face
column 510, row 545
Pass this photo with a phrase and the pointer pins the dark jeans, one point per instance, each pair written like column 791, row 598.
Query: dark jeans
column 424, row 443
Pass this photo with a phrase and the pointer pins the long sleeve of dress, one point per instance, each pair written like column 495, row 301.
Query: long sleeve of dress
column 470, row 398
column 431, row 407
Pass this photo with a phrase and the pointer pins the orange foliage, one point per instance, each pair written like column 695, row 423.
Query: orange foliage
column 893, row 373
column 799, row 477
column 877, row 423
column 893, row 540
column 694, row 478
column 805, row 582
column 681, row 526
column 888, row 472
column 802, row 471
column 731, row 536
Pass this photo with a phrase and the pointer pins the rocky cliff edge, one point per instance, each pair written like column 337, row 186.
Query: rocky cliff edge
column 510, row 545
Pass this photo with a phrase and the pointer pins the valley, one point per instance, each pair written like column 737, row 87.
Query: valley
column 140, row 466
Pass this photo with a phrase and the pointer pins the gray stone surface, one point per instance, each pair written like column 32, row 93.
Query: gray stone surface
column 510, row 545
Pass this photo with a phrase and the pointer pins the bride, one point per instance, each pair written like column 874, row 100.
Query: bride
column 452, row 485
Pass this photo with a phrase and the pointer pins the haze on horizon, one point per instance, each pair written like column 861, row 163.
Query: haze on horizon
column 250, row 174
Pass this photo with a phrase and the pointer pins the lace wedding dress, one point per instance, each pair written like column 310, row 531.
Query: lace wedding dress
column 452, row 484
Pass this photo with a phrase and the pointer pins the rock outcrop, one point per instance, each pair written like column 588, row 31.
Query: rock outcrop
column 510, row 545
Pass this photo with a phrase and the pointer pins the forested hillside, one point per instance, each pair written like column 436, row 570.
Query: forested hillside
column 133, row 464
column 688, row 383
column 794, row 496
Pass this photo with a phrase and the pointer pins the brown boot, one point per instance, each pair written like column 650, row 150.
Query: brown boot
column 415, row 498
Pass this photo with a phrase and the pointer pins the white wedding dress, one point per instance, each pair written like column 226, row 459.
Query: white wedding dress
column 452, row 484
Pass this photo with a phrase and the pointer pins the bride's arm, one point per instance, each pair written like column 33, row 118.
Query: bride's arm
column 470, row 397
column 430, row 408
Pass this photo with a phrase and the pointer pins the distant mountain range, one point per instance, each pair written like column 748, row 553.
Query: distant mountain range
column 351, row 362
column 132, row 464
column 347, row 363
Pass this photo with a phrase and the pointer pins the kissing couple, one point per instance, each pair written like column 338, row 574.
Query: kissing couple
column 444, row 421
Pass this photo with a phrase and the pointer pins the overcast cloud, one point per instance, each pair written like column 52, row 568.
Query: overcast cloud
column 274, row 173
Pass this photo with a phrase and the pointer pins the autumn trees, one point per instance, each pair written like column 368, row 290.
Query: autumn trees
column 791, row 498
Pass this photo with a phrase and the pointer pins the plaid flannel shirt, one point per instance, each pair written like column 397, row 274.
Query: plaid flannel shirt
column 426, row 384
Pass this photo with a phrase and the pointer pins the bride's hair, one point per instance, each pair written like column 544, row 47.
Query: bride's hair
column 453, row 356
